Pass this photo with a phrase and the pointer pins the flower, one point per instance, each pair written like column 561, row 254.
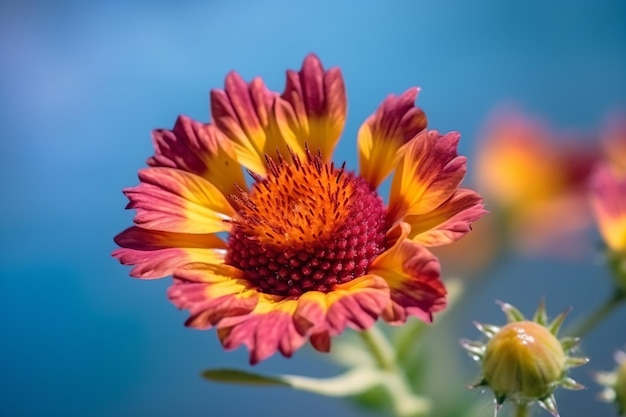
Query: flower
column 615, row 383
column 308, row 248
column 523, row 361
column 608, row 201
column 613, row 138
column 536, row 181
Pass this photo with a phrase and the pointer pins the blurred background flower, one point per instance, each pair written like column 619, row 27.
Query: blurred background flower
column 613, row 138
column 614, row 383
column 82, row 84
column 536, row 181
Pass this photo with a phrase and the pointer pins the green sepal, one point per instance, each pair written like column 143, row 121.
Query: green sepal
column 512, row 314
column 476, row 349
column 500, row 399
column 488, row 330
column 573, row 362
column 569, row 343
column 555, row 325
column 570, row 384
column 541, row 316
column 549, row 404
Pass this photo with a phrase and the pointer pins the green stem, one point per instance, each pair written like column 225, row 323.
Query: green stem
column 405, row 402
column 380, row 348
column 407, row 337
column 522, row 410
column 598, row 315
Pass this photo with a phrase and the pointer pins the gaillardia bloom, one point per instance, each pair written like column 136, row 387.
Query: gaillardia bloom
column 304, row 248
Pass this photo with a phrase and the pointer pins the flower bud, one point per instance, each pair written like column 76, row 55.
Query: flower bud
column 523, row 360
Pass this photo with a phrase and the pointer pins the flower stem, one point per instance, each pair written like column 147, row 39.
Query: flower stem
column 522, row 410
column 598, row 315
column 380, row 348
column 406, row 403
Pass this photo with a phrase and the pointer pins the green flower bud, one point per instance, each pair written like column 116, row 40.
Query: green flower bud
column 524, row 361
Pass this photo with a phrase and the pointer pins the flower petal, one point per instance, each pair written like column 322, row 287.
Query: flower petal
column 212, row 294
column 244, row 113
column 614, row 141
column 267, row 329
column 356, row 304
column 172, row 200
column 200, row 149
column 428, row 175
column 474, row 253
column 381, row 138
column 608, row 200
column 313, row 108
column 211, row 273
column 320, row 341
column 412, row 273
column 449, row 222
column 158, row 254
column 284, row 324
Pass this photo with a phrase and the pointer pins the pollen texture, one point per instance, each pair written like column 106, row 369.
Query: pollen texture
column 306, row 226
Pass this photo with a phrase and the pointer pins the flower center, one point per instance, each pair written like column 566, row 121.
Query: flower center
column 306, row 226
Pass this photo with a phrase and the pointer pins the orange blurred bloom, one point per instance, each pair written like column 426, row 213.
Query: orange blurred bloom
column 608, row 200
column 535, row 181
column 614, row 142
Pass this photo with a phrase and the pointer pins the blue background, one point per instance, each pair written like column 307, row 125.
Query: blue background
column 81, row 86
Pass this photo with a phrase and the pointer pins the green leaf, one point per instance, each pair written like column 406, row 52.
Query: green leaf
column 374, row 399
column 352, row 382
column 234, row 376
